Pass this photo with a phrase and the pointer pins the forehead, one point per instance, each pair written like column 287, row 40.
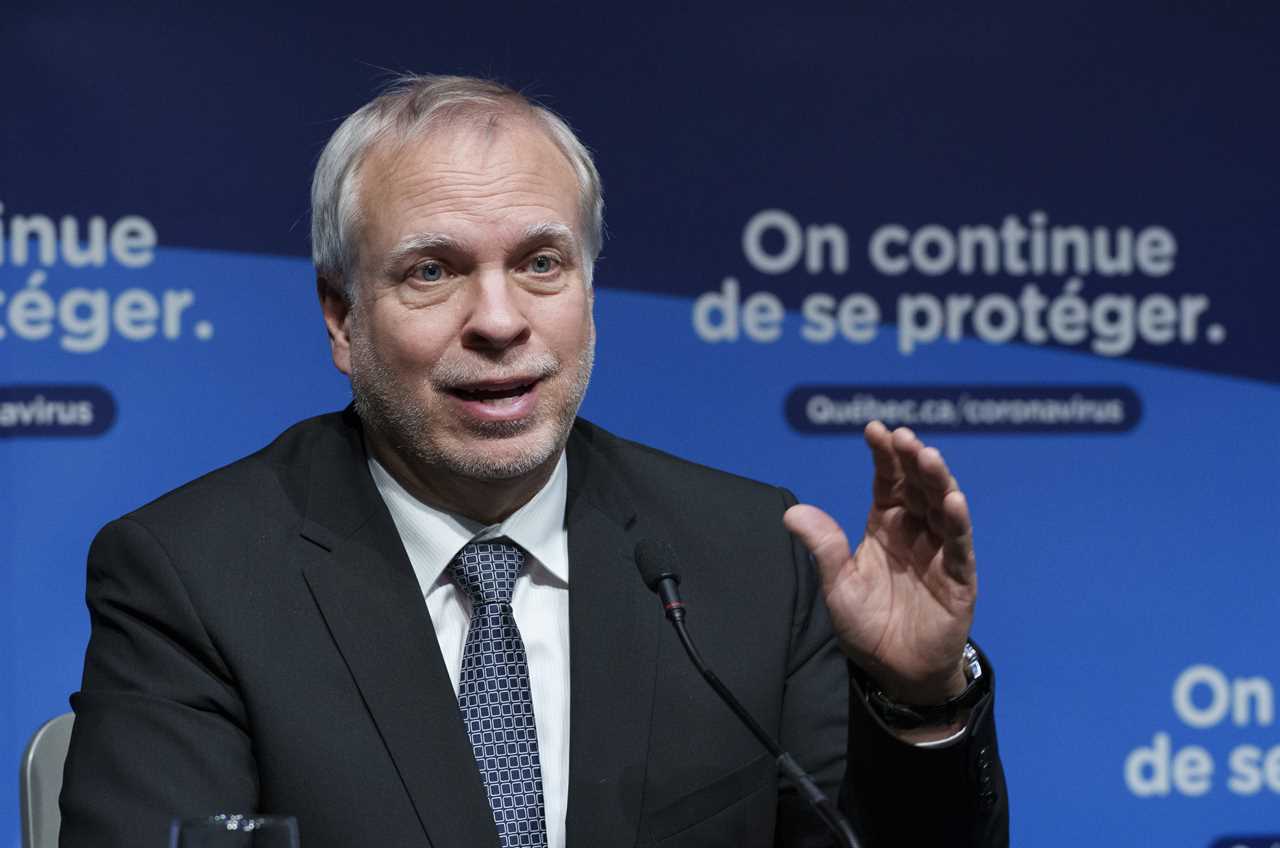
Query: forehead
column 507, row 175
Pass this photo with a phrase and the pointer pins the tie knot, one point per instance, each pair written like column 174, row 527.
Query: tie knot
column 487, row 570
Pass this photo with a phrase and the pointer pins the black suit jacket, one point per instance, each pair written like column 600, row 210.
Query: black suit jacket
column 260, row 643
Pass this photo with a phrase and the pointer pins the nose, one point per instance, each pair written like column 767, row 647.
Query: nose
column 496, row 320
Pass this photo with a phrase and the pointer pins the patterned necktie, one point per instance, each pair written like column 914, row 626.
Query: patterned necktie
column 494, row 694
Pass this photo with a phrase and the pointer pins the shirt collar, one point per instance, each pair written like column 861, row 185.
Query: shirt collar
column 432, row 536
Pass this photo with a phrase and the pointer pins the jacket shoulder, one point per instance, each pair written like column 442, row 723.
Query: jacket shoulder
column 265, row 483
column 652, row 476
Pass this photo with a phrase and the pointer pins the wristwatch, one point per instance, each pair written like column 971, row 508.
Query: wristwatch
column 910, row 716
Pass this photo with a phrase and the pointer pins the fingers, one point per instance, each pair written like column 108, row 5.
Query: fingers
column 926, row 480
column 957, row 537
column 909, row 474
column 885, row 486
column 821, row 536
column 906, row 470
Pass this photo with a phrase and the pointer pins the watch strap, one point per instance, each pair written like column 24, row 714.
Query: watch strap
column 903, row 716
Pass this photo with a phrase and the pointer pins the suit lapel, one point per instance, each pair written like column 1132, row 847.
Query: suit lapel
column 613, row 630
column 365, row 587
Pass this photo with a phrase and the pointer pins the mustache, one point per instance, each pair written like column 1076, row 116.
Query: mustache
column 456, row 374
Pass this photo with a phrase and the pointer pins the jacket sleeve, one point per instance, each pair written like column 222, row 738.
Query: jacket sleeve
column 895, row 793
column 160, row 730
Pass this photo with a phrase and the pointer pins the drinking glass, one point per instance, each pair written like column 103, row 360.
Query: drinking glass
column 234, row 830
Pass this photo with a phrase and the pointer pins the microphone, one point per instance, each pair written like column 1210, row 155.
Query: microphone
column 657, row 562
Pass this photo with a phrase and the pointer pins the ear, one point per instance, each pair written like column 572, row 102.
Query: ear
column 337, row 313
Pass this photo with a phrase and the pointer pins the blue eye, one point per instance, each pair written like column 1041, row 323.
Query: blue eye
column 542, row 264
column 431, row 272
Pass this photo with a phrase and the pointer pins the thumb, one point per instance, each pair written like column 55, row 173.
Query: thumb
column 821, row 535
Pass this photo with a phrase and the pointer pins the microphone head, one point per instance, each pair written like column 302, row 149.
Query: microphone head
column 656, row 561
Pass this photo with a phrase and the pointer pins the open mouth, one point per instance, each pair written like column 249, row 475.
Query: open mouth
column 493, row 392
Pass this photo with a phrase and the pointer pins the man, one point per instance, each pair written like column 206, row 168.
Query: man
column 419, row 622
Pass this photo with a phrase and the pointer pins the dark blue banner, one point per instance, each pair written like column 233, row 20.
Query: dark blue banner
column 1053, row 227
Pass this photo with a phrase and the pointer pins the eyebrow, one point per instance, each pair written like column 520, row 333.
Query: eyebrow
column 412, row 245
column 551, row 231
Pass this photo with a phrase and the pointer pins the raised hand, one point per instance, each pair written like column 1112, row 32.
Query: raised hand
column 902, row 603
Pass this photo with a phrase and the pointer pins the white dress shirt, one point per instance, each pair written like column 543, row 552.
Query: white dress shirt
column 540, row 602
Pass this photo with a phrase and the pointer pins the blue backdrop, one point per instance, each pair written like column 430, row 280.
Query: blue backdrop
column 1046, row 237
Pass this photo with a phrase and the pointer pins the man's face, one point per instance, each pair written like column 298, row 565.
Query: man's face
column 470, row 339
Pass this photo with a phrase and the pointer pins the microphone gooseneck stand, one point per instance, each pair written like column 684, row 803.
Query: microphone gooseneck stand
column 656, row 561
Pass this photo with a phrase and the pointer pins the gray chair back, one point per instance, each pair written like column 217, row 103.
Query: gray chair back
column 40, row 782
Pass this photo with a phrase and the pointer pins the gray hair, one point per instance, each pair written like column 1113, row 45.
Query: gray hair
column 410, row 107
